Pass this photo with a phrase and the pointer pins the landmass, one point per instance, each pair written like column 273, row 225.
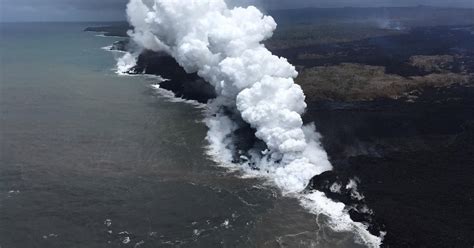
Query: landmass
column 391, row 90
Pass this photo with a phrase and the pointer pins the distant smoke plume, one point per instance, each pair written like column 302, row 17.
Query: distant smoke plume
column 224, row 46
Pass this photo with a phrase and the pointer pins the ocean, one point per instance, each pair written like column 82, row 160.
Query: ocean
column 89, row 158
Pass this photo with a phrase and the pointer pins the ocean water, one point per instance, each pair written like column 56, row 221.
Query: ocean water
column 92, row 159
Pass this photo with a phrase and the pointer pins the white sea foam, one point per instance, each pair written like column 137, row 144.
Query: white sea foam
column 107, row 48
column 103, row 35
column 340, row 220
column 170, row 96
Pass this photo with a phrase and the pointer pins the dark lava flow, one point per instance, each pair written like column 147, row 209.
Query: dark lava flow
column 413, row 161
column 393, row 51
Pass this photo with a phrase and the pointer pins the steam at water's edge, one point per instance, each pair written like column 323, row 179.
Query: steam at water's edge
column 224, row 47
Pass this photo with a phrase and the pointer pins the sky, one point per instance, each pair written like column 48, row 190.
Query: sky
column 114, row 10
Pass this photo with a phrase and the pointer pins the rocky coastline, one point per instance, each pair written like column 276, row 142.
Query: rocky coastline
column 396, row 114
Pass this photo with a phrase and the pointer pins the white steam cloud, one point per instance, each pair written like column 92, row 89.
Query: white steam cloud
column 224, row 46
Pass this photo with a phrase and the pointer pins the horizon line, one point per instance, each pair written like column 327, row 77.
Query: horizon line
column 268, row 10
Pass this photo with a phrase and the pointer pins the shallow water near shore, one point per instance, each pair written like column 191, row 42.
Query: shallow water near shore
column 92, row 159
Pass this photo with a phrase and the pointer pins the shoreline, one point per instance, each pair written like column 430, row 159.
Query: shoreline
column 377, row 161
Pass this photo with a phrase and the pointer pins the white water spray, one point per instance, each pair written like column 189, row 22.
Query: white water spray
column 224, row 46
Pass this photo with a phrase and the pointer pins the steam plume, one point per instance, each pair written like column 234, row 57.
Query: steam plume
column 224, row 46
